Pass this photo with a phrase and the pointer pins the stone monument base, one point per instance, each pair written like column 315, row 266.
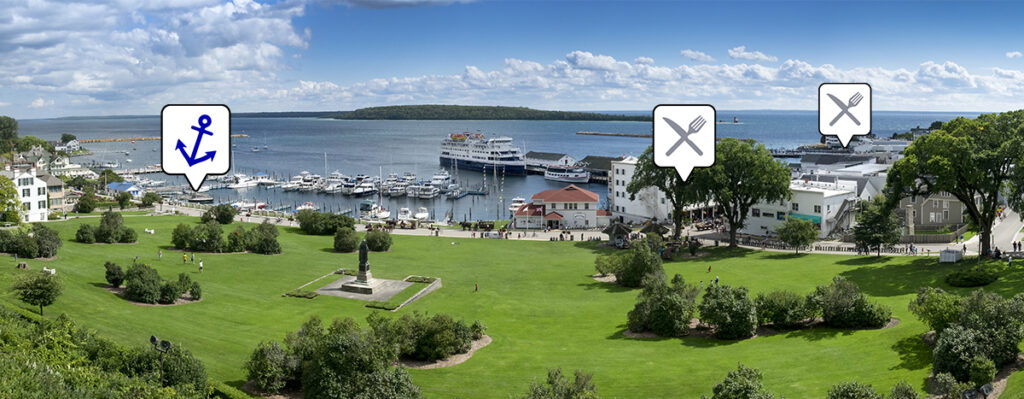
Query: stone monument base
column 364, row 287
column 379, row 289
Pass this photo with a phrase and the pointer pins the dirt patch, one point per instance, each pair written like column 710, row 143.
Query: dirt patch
column 701, row 330
column 604, row 279
column 451, row 360
column 184, row 300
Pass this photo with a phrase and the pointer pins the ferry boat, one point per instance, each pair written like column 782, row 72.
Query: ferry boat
column 568, row 174
column 472, row 151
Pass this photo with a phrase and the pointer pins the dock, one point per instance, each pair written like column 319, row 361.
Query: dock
column 138, row 139
column 140, row 171
column 634, row 135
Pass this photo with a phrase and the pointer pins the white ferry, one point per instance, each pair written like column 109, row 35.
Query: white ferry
column 472, row 151
column 568, row 174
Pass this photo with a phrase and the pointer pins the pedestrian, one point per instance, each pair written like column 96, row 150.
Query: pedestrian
column 716, row 280
column 184, row 258
column 476, row 287
column 193, row 258
column 200, row 265
column 702, row 285
column 965, row 249
column 160, row 255
column 709, row 268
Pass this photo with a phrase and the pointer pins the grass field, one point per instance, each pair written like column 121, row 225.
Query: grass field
column 540, row 306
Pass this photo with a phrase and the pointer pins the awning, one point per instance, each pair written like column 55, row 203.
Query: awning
column 813, row 219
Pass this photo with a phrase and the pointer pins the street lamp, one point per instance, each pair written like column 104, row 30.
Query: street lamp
column 162, row 347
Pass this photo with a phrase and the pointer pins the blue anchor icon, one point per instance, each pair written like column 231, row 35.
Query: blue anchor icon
column 204, row 122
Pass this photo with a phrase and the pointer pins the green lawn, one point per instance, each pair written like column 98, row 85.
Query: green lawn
column 536, row 298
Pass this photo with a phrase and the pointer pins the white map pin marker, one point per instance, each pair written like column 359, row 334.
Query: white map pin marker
column 844, row 110
column 684, row 137
column 195, row 141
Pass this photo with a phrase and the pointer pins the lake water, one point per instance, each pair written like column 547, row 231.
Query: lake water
column 372, row 147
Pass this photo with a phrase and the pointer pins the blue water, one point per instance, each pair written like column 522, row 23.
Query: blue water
column 369, row 147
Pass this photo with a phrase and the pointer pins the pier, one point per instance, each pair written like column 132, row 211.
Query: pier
column 137, row 139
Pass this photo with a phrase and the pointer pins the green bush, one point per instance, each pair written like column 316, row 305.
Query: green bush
column 142, row 284
column 127, row 236
column 318, row 223
column 378, row 240
column 730, row 310
column 124, row 199
column 195, row 291
column 420, row 279
column 301, row 294
column 181, row 236
column 557, row 386
column 973, row 277
column 902, row 390
column 954, row 350
column 982, row 371
column 936, row 308
column 86, row 234
column 843, row 306
column 268, row 367
column 477, row 330
column 87, row 203
column 608, row 265
column 47, row 240
column 346, row 240
column 181, row 369
column 944, row 384
column 169, row 293
column 742, row 383
column 238, row 240
column 8, row 241
column 636, row 264
column 225, row 391
column 263, row 239
column 150, row 198
column 223, row 214
column 423, row 338
column 26, row 246
column 662, row 309
column 207, row 237
column 783, row 309
column 852, row 390
column 114, row 274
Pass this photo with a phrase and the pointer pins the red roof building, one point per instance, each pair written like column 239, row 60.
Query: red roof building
column 569, row 207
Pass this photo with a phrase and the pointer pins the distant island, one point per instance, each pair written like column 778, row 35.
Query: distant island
column 476, row 112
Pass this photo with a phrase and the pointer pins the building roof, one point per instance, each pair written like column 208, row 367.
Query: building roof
column 123, row 186
column 832, row 159
column 594, row 162
column 553, row 216
column 570, row 193
column 50, row 180
column 549, row 156
column 530, row 210
column 617, row 229
column 603, row 212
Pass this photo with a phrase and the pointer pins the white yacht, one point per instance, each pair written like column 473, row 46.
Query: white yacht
column 428, row 191
column 307, row 205
column 409, row 177
column 421, row 214
column 441, row 179
column 365, row 187
column 404, row 214
column 396, row 190
column 568, row 174
column 349, row 186
column 517, row 203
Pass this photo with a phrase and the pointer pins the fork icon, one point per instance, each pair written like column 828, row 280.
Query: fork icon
column 684, row 134
column 845, row 108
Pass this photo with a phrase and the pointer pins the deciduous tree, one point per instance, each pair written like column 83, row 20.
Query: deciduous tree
column 678, row 192
column 797, row 232
column 877, row 226
column 38, row 289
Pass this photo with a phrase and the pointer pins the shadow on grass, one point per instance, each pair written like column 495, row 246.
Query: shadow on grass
column 896, row 279
column 864, row 260
column 914, row 353
column 598, row 248
column 609, row 287
column 818, row 333
column 785, row 255
column 709, row 342
column 621, row 334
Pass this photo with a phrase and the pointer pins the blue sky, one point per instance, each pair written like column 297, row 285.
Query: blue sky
column 133, row 56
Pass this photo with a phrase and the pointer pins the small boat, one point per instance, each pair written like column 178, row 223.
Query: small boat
column 573, row 174
column 128, row 160
column 421, row 214
column 255, row 149
column 404, row 214
column 306, row 205
column 517, row 203
column 365, row 187
column 428, row 191
column 370, row 209
column 441, row 179
column 398, row 190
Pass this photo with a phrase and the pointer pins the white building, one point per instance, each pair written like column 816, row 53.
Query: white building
column 570, row 207
column 545, row 159
column 828, row 205
column 649, row 202
column 31, row 193
column 68, row 147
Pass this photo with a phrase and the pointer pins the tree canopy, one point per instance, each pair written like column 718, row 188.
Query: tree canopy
column 8, row 133
column 877, row 226
column 10, row 205
column 38, row 289
column 667, row 180
column 797, row 232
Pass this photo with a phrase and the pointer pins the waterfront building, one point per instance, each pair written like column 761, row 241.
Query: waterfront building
column 570, row 207
column 541, row 160
column 54, row 192
column 115, row 188
column 829, row 205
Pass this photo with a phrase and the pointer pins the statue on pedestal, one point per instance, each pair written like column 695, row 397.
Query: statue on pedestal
column 364, row 263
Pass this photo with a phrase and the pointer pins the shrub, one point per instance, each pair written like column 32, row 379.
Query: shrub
column 111, row 226
column 998, row 323
column 127, row 236
column 8, row 241
column 169, row 293
column 423, row 338
column 982, row 371
column 223, row 214
column 902, row 390
column 47, row 240
column 844, row 306
column 558, row 386
column 181, row 236
column 26, row 246
column 852, row 390
column 730, row 310
column 936, row 308
column 783, row 309
column 477, row 330
column 608, row 265
column 378, row 240
column 142, row 284
column 742, row 383
column 944, row 384
column 195, row 291
column 114, row 274
column 263, row 239
column 124, row 199
column 206, row 237
column 661, row 309
column 346, row 240
column 317, row 223
column 238, row 240
column 639, row 262
column 87, row 203
column 954, row 350
column 181, row 369
column 150, row 198
column 301, row 294
column 86, row 234
column 973, row 277
column 268, row 367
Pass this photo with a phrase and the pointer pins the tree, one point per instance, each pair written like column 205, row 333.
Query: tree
column 797, row 232
column 8, row 133
column 317, row 223
column 730, row 310
column 678, row 192
column 10, row 204
column 378, row 240
column 744, row 174
column 206, row 237
column 142, row 284
column 877, row 226
column 972, row 160
column 111, row 228
column 38, row 289
column 263, row 239
column 114, row 274
column 223, row 214
column 28, row 142
column 637, row 264
column 853, row 390
column 66, row 137
column 87, row 203
column 108, row 176
column 936, row 308
column 346, row 240
column 742, row 383
column 47, row 240
column 557, row 386
column 181, row 236
column 124, row 199
column 268, row 367
column 903, row 390
column 151, row 198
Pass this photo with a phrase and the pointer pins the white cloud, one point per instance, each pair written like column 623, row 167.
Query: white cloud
column 643, row 60
column 40, row 102
column 697, row 56
column 4, row 103
column 742, row 54
column 1014, row 54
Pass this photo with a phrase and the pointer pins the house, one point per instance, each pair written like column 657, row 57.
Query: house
column 68, row 147
column 116, row 188
column 37, row 158
column 542, row 160
column 570, row 207
column 54, row 191
column 649, row 203
column 933, row 212
column 32, row 192
column 599, row 167
column 829, row 205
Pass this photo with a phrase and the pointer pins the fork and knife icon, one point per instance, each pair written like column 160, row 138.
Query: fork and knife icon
column 845, row 107
column 684, row 134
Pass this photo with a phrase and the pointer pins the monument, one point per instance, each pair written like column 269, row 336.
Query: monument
column 364, row 282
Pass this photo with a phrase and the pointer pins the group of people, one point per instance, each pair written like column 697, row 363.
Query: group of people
column 184, row 259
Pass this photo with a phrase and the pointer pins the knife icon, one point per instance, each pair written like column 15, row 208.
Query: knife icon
column 684, row 134
column 845, row 107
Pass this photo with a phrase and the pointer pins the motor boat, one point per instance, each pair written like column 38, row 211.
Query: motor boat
column 428, row 191
column 370, row 209
column 568, row 174
column 307, row 205
column 365, row 187
column 441, row 179
column 517, row 203
column 349, row 186
column 404, row 214
column 421, row 214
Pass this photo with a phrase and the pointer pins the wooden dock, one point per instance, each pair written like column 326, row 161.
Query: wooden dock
column 137, row 139
column 634, row 135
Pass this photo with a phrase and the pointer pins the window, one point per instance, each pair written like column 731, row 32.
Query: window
column 755, row 212
column 554, row 205
column 25, row 192
column 41, row 191
column 42, row 204
column 780, row 216
column 945, row 215
column 796, row 206
column 945, row 205
column 817, row 209
column 28, row 206
column 768, row 215
column 663, row 201
column 931, row 217
column 586, row 206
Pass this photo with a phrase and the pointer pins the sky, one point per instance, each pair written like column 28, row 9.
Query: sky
column 88, row 57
